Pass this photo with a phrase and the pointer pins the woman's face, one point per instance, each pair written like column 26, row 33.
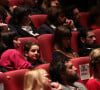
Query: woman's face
column 34, row 53
column 46, row 80
column 55, row 3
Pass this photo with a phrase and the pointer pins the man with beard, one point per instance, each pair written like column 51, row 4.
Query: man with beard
column 86, row 41
column 63, row 71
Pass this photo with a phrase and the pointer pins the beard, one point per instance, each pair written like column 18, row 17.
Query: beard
column 72, row 78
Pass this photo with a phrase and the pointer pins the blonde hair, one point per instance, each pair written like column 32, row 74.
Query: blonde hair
column 94, row 58
column 33, row 79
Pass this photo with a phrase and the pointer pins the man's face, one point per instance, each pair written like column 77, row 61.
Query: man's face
column 76, row 15
column 71, row 72
column 90, row 39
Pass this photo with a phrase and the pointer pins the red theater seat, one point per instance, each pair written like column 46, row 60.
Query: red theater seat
column 15, row 2
column 15, row 79
column 38, row 20
column 44, row 66
column 74, row 44
column 97, row 33
column 7, row 19
column 83, row 67
column 84, row 18
column 45, row 42
column 24, row 40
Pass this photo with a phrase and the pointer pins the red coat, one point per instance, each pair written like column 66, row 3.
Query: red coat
column 93, row 84
column 13, row 60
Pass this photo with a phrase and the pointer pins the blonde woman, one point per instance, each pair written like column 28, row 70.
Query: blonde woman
column 38, row 79
column 94, row 82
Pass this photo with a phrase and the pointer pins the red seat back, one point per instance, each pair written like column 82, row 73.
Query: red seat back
column 15, row 2
column 15, row 79
column 44, row 66
column 38, row 20
column 24, row 40
column 45, row 42
column 74, row 44
column 84, row 18
column 97, row 33
column 7, row 19
column 83, row 68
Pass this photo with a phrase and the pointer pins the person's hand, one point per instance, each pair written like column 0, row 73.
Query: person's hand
column 69, row 23
column 56, row 86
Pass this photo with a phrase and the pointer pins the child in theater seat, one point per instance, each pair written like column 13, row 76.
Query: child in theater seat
column 32, row 53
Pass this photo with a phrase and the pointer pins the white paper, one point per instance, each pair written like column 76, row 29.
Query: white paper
column 84, row 71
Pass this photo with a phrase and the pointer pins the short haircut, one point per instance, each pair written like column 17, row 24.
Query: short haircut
column 94, row 59
column 58, row 67
column 82, row 33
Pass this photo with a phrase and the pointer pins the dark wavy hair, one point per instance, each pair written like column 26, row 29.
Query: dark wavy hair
column 18, row 15
column 57, row 67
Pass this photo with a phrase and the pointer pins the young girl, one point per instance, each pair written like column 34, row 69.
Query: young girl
column 32, row 53
column 11, row 58
column 94, row 82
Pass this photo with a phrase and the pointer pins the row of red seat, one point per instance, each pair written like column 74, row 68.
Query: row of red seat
column 45, row 41
column 40, row 19
column 14, row 80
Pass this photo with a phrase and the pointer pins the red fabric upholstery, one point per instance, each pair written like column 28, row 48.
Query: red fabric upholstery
column 15, row 79
column 38, row 20
column 45, row 42
column 7, row 19
column 15, row 2
column 1, row 77
column 84, row 18
column 74, row 44
column 44, row 66
column 24, row 40
column 81, row 61
column 97, row 33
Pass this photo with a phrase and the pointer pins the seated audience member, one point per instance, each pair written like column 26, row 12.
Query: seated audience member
column 72, row 12
column 12, row 59
column 33, row 6
column 62, row 42
column 38, row 79
column 49, row 3
column 20, row 22
column 86, row 41
column 5, row 5
column 3, row 15
column 55, row 17
column 94, row 82
column 94, row 18
column 32, row 53
column 63, row 71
